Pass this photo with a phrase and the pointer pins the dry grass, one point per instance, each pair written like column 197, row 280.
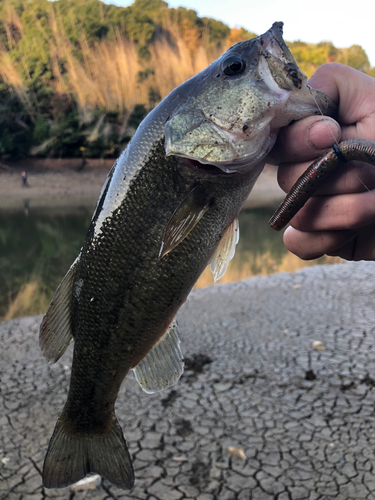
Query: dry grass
column 106, row 75
column 30, row 300
column 175, row 65
column 262, row 265
column 9, row 71
column 105, row 78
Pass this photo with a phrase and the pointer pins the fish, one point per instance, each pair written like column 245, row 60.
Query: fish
column 168, row 208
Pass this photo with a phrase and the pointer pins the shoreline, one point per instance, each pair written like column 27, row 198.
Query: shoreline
column 62, row 183
column 48, row 164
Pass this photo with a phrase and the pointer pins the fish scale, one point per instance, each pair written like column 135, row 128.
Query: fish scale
column 124, row 320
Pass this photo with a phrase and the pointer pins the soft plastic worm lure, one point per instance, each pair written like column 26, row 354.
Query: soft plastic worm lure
column 315, row 175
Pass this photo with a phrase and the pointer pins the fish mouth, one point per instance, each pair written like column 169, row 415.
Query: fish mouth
column 207, row 169
column 229, row 152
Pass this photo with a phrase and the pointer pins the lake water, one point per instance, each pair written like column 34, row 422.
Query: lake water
column 37, row 246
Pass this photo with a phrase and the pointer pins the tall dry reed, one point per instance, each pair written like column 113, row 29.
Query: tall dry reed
column 175, row 62
column 106, row 75
column 262, row 265
column 11, row 72
column 109, row 78
column 31, row 299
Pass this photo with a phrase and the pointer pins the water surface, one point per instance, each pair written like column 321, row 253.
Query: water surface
column 37, row 247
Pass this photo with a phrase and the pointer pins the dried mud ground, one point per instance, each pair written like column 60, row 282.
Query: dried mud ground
column 304, row 417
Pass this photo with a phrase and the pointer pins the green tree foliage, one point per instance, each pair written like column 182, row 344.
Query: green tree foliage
column 77, row 76
column 355, row 57
column 15, row 124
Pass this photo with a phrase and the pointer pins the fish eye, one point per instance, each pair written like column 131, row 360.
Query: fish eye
column 233, row 65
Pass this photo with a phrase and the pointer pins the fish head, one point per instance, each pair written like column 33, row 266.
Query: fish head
column 237, row 105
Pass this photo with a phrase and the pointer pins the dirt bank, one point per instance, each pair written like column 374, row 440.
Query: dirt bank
column 64, row 183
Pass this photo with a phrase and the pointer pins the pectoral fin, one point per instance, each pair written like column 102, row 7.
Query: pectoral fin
column 163, row 365
column 184, row 219
column 55, row 330
column 225, row 251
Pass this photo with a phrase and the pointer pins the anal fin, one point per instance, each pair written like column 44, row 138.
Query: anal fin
column 225, row 251
column 55, row 330
column 163, row 365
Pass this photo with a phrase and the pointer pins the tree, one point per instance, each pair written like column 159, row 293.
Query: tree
column 355, row 57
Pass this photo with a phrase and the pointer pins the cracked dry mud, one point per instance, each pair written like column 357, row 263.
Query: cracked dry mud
column 304, row 416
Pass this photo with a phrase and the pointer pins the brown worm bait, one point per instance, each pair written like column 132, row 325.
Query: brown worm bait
column 315, row 175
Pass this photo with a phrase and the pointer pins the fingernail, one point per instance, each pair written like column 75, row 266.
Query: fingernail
column 324, row 133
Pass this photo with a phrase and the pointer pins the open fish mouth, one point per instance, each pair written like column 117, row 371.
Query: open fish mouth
column 206, row 168
column 226, row 148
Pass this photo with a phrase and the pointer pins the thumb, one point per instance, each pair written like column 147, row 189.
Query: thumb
column 353, row 90
column 305, row 140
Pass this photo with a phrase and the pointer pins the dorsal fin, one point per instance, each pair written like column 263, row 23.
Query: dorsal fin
column 55, row 330
column 225, row 251
column 184, row 219
column 163, row 365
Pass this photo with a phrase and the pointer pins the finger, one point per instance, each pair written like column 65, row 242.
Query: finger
column 352, row 177
column 312, row 245
column 305, row 139
column 362, row 247
column 335, row 213
column 355, row 93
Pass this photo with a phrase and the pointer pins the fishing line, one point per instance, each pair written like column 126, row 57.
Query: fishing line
column 321, row 112
column 363, row 184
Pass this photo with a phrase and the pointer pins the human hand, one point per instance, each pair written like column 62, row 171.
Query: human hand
column 340, row 218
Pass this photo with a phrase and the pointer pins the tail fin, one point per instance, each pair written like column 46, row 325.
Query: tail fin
column 71, row 456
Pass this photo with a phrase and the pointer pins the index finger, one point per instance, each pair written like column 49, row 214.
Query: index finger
column 355, row 93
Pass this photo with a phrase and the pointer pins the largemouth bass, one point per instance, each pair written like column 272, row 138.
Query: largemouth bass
column 168, row 208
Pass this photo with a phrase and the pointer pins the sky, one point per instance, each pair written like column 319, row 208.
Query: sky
column 343, row 22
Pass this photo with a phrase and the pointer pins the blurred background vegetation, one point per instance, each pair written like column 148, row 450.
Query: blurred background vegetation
column 78, row 76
